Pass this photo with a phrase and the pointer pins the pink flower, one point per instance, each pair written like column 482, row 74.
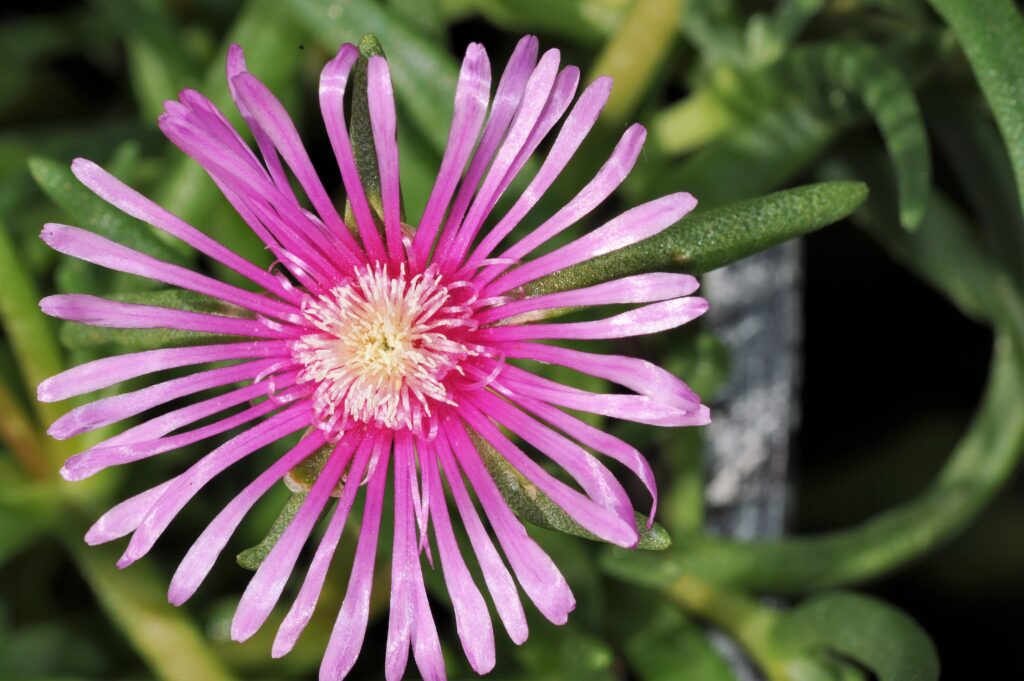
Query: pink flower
column 391, row 345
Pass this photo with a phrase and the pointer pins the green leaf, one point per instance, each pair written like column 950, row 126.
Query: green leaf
column 30, row 333
column 252, row 558
column 708, row 240
column 992, row 35
column 863, row 629
column 866, row 72
column 91, row 212
column 27, row 512
column 531, row 504
column 159, row 65
column 361, row 131
column 635, row 54
column 136, row 601
column 586, row 22
column 424, row 73
column 81, row 336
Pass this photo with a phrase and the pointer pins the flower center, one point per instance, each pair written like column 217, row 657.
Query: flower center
column 384, row 348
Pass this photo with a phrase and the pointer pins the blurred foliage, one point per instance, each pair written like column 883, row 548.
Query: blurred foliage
column 743, row 99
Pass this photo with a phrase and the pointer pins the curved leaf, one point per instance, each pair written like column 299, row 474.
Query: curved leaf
column 863, row 629
column 992, row 35
column 865, row 72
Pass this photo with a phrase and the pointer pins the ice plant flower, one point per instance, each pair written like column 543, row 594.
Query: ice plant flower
column 390, row 346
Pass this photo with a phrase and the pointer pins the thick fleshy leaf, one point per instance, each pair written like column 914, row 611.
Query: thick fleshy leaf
column 863, row 629
column 706, row 241
column 252, row 558
column 531, row 504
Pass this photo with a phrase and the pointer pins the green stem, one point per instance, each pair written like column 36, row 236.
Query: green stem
column 980, row 466
column 747, row 621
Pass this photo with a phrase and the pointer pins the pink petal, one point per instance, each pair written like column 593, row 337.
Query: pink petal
column 597, row 481
column 126, row 516
column 472, row 620
column 275, row 121
column 575, row 129
column 606, row 524
column 123, row 197
column 539, row 576
column 652, row 318
column 86, row 309
column 607, row 179
column 511, row 87
column 276, row 427
column 93, row 248
column 107, row 410
column 105, row 372
column 471, row 97
column 302, row 608
column 203, row 553
column 384, row 123
column 333, row 81
column 350, row 627
column 634, row 225
column 639, row 288
column 265, row 587
column 496, row 575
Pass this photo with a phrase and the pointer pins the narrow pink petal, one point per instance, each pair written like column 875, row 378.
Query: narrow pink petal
column 596, row 481
column 471, row 97
column 515, row 147
column 639, row 288
column 302, row 608
column 499, row 582
column 575, row 129
column 276, row 427
column 126, row 516
column 640, row 376
column 333, row 82
column 105, row 372
column 236, row 66
column 96, row 459
column 634, row 225
column 98, row 250
column 539, row 87
column 86, row 309
column 123, row 197
column 265, row 587
column 606, row 524
column 116, row 408
column 404, row 562
column 514, row 382
column 252, row 193
column 179, row 418
column 350, row 627
column 272, row 117
column 383, row 121
column 203, row 553
column 472, row 620
column 599, row 441
column 652, row 318
column 511, row 87
column 607, row 179
column 539, row 576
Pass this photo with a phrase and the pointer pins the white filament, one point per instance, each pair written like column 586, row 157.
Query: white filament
column 383, row 350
